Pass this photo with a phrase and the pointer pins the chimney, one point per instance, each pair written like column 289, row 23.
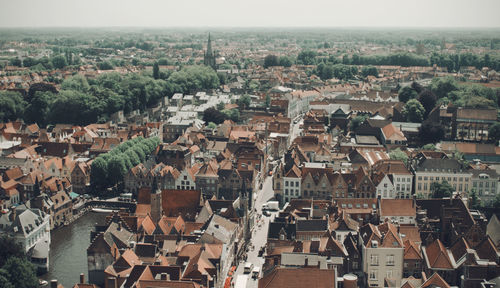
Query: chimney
column 204, row 279
column 82, row 278
column 13, row 213
column 53, row 283
column 111, row 282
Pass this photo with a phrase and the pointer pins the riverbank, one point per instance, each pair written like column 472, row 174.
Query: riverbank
column 68, row 249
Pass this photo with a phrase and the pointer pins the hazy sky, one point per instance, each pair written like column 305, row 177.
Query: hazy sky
column 250, row 13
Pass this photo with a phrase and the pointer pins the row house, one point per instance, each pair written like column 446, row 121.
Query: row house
column 323, row 183
column 382, row 252
column 431, row 170
column 484, row 182
column 292, row 184
column 398, row 211
column 207, row 178
column 394, row 179
column 80, row 177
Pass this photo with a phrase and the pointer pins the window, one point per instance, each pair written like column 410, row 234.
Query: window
column 373, row 275
column 419, row 177
column 419, row 186
column 286, row 191
column 390, row 260
column 286, row 183
column 437, row 178
column 291, row 184
column 185, row 177
column 373, row 259
column 389, row 274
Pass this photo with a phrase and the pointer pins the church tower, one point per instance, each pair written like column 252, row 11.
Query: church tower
column 209, row 57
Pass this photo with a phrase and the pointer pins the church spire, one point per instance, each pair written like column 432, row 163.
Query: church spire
column 209, row 59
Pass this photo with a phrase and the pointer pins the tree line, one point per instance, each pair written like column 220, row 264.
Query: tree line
column 453, row 62
column 82, row 101
column 419, row 102
column 109, row 169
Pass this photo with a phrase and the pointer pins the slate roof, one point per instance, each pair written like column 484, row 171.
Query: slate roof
column 311, row 225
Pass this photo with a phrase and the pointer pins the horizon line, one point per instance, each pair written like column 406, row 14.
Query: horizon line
column 256, row 27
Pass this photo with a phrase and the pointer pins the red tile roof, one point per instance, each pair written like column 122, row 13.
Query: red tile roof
column 298, row 278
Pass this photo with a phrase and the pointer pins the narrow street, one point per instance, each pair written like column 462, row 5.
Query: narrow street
column 259, row 232
column 260, row 228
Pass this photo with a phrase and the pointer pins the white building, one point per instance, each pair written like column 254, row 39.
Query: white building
column 382, row 254
column 31, row 229
column 385, row 186
column 292, row 184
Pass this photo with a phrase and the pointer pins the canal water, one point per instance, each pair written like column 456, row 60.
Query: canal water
column 68, row 250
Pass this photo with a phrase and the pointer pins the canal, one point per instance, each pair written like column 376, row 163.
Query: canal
column 68, row 250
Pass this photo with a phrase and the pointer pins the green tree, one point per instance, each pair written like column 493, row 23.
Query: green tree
column 4, row 280
column 357, row 121
column 442, row 86
column 38, row 109
column 116, row 169
column 369, row 70
column 285, row 61
column 21, row 273
column 12, row 106
column 9, row 248
column 407, row 93
column 99, row 173
column 271, row 60
column 220, row 106
column 77, row 82
column 213, row 115
column 105, row 65
column 59, row 61
column 253, row 85
column 16, row 62
column 307, row 57
column 233, row 114
column 431, row 132
column 156, row 71
column 414, row 111
column 474, row 203
column 212, row 125
column 494, row 132
column 441, row 190
column 496, row 202
column 268, row 100
column 244, row 101
column 428, row 100
column 429, row 147
column 397, row 154
column 29, row 62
